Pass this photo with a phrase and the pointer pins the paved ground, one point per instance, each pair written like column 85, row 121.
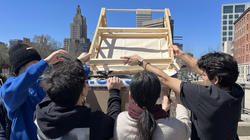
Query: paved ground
column 244, row 126
column 247, row 99
column 245, row 138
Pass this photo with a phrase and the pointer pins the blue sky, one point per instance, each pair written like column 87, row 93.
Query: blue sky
column 198, row 21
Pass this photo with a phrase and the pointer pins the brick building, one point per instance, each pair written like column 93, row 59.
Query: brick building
column 242, row 43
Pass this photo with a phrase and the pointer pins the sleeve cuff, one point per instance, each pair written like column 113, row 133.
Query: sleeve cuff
column 114, row 91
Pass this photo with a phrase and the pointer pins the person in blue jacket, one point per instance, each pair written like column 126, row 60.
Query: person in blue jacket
column 22, row 93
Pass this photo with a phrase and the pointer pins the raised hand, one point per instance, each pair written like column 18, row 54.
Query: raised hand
column 84, row 57
column 53, row 57
column 177, row 51
column 114, row 83
column 132, row 60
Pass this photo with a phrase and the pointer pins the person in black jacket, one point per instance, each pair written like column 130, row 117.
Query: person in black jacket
column 5, row 123
column 215, row 107
column 62, row 114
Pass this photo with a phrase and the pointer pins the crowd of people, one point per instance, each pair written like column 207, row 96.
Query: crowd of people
column 46, row 99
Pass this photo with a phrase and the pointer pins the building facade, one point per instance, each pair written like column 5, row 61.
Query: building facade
column 142, row 16
column 155, row 23
column 41, row 40
column 78, row 41
column 242, row 43
column 229, row 47
column 13, row 42
column 229, row 14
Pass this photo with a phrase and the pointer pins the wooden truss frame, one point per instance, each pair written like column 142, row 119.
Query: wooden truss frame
column 102, row 32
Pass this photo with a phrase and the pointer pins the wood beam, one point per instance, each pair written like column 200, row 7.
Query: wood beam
column 134, row 35
column 113, row 61
column 92, row 47
column 137, row 30
column 129, row 10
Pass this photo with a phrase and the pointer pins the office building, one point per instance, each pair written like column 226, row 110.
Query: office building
column 40, row 40
column 229, row 14
column 142, row 16
column 155, row 23
column 78, row 41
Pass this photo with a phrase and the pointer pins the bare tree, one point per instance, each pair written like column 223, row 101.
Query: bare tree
column 45, row 45
column 4, row 56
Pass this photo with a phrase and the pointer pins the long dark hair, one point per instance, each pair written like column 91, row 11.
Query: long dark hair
column 145, row 89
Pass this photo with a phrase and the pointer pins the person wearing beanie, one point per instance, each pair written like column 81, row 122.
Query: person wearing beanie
column 22, row 93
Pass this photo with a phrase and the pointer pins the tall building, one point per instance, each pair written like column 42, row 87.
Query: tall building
column 158, row 23
column 13, row 42
column 242, row 43
column 155, row 23
column 78, row 29
column 78, row 40
column 142, row 16
column 229, row 14
column 41, row 40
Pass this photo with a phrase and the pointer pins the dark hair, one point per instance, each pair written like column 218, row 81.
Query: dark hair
column 145, row 89
column 222, row 65
column 64, row 82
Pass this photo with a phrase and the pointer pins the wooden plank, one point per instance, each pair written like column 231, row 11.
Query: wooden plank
column 137, row 30
column 129, row 10
column 134, row 35
column 122, row 67
column 109, row 61
column 92, row 47
column 167, row 18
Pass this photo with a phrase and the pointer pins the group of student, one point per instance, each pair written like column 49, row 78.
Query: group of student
column 46, row 100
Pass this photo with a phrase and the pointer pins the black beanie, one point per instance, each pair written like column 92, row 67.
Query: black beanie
column 21, row 54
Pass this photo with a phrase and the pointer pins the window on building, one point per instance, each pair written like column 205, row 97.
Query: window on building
column 230, row 33
column 230, row 16
column 224, row 16
column 224, row 39
column 230, row 27
column 230, row 22
column 247, row 37
column 236, row 16
column 230, row 38
column 247, row 26
column 224, row 22
column 224, row 27
column 228, row 9
column 239, row 8
column 224, row 33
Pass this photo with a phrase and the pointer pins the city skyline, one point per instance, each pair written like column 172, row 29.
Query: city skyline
column 198, row 23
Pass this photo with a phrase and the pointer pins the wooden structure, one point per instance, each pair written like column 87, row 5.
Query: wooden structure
column 110, row 43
